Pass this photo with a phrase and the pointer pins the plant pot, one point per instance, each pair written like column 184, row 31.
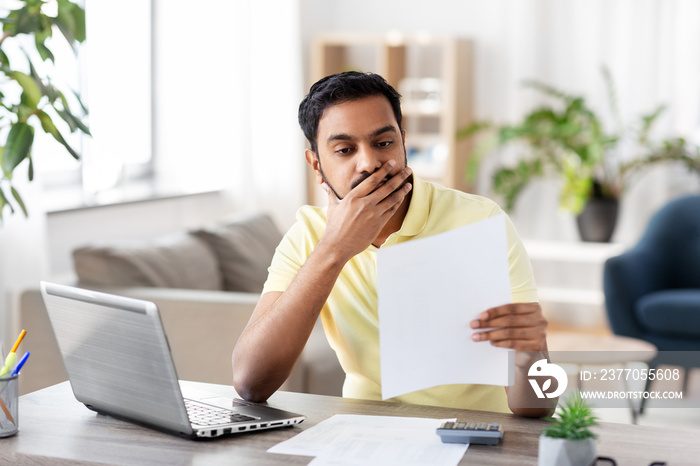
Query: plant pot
column 597, row 220
column 562, row 452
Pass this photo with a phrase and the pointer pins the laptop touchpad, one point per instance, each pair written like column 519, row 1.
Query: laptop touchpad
column 224, row 402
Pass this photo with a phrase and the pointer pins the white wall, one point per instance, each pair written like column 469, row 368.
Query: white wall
column 651, row 46
column 139, row 220
column 227, row 85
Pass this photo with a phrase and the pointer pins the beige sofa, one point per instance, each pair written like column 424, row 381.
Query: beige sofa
column 202, row 324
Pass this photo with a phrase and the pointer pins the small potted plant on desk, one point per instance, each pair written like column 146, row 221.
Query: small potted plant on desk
column 569, row 441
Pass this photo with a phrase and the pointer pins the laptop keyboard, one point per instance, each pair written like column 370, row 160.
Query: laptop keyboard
column 207, row 415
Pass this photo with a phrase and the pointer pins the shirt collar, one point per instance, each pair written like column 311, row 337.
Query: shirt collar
column 417, row 214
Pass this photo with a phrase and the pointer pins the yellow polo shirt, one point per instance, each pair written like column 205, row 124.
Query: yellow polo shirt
column 350, row 315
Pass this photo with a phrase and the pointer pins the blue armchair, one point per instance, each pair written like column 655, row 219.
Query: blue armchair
column 652, row 291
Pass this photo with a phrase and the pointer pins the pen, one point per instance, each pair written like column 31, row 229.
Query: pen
column 9, row 362
column 12, row 356
column 6, row 411
column 19, row 365
column 19, row 340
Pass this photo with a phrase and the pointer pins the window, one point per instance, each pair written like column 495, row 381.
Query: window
column 117, row 65
column 112, row 73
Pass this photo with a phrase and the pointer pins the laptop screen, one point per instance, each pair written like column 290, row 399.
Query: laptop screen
column 117, row 356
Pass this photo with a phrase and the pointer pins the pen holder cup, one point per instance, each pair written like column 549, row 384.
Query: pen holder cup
column 9, row 395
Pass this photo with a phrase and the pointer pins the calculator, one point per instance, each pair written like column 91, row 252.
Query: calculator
column 479, row 433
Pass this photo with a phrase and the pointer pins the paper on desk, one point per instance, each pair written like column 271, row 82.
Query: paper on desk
column 346, row 439
column 429, row 290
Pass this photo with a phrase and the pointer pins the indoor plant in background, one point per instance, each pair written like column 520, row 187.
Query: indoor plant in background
column 28, row 97
column 569, row 441
column 566, row 139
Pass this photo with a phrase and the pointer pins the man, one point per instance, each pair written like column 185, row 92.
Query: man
column 326, row 263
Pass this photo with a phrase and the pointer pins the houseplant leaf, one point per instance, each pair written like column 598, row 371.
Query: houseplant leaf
column 44, row 52
column 569, row 141
column 43, row 32
column 70, row 21
column 4, row 59
column 509, row 182
column 80, row 102
column 19, row 200
column 4, row 202
column 647, row 123
column 31, row 93
column 17, row 147
column 74, row 123
column 49, row 127
column 25, row 21
column 48, row 89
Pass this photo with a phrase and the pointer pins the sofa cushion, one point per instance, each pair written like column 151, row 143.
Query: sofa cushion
column 671, row 312
column 178, row 260
column 244, row 247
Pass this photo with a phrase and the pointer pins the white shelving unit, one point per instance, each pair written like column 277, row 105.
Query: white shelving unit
column 569, row 279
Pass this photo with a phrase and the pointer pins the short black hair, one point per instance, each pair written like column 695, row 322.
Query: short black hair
column 339, row 88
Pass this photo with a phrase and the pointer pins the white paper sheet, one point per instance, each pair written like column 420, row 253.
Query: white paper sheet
column 346, row 439
column 429, row 290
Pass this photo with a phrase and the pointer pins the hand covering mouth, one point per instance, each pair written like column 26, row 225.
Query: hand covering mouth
column 381, row 183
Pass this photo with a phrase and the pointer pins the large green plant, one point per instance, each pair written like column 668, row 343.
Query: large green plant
column 567, row 139
column 40, row 103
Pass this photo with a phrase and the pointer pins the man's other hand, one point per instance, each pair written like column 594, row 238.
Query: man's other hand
column 520, row 326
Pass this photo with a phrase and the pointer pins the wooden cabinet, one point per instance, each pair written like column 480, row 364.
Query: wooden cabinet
column 434, row 76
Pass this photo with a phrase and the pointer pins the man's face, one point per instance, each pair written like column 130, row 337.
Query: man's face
column 355, row 138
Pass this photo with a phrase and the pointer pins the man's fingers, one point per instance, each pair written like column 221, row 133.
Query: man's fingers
column 369, row 184
column 518, row 345
column 392, row 188
column 519, row 326
column 509, row 320
column 509, row 309
column 518, row 339
column 507, row 314
column 393, row 201
column 382, row 183
column 500, row 334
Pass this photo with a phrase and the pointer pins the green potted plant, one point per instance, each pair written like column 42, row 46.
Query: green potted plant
column 28, row 99
column 569, row 441
column 567, row 139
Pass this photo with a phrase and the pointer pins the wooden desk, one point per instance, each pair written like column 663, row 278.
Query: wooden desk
column 57, row 430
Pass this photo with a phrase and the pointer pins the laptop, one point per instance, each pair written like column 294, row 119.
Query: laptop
column 118, row 361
